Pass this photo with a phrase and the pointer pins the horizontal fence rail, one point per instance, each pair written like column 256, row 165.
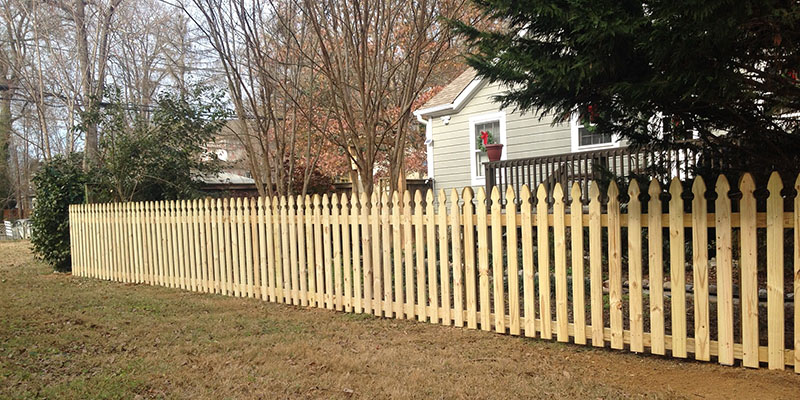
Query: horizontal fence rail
column 636, row 275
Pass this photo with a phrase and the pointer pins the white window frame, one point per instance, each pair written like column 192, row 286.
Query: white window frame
column 576, row 140
column 501, row 138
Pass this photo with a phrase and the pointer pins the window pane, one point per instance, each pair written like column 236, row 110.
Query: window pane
column 587, row 138
column 492, row 126
column 480, row 158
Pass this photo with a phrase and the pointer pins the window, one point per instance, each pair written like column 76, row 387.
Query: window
column 494, row 123
column 585, row 138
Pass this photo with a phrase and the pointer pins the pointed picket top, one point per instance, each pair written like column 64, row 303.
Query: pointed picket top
column 246, row 203
column 575, row 192
column 260, row 202
column 276, row 205
column 634, row 191
column 613, row 191
column 510, row 195
column 334, row 202
column 453, row 199
column 675, row 188
column 384, row 200
column 722, row 187
column 541, row 193
column 496, row 196
column 407, row 198
column 558, row 193
column 316, row 201
column 467, row 193
column 654, row 190
column 354, row 202
column 301, row 204
column 699, row 187
column 373, row 199
column 481, row 197
column 525, row 195
column 775, row 185
column 442, row 196
column 594, row 191
column 325, row 203
column 429, row 197
column 345, row 202
column 747, row 184
column 396, row 200
column 418, row 199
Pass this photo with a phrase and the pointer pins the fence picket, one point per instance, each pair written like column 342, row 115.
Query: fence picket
column 514, row 327
column 655, row 268
column 238, row 251
column 375, row 272
column 444, row 264
column 497, row 263
column 469, row 259
column 198, row 264
column 543, row 250
column 560, row 250
column 457, row 265
column 483, row 262
column 430, row 254
column 397, row 253
column 614, row 266
column 207, row 256
column 366, row 246
column 286, row 263
column 337, row 254
column 262, row 248
column 270, row 239
column 386, row 248
column 280, row 293
column 326, row 251
column 635, row 268
column 408, row 247
column 347, row 264
column 578, row 285
column 677, row 262
column 702, row 337
column 293, row 250
column 775, row 312
column 595, row 268
column 748, row 266
column 183, row 245
column 422, row 303
column 528, row 269
column 722, row 209
column 356, row 233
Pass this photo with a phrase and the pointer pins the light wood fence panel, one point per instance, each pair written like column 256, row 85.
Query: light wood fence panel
column 461, row 262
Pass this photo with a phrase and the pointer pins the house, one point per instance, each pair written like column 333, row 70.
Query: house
column 535, row 149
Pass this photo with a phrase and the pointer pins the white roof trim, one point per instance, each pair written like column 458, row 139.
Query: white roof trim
column 454, row 107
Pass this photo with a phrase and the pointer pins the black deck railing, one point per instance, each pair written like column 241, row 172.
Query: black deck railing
column 583, row 167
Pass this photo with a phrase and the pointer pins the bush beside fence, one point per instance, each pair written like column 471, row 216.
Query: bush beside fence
column 521, row 269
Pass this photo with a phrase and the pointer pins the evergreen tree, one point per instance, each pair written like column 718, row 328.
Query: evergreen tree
column 724, row 71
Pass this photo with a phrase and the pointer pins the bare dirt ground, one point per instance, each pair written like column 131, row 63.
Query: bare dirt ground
column 67, row 337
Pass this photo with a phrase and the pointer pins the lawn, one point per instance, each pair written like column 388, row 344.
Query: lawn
column 67, row 337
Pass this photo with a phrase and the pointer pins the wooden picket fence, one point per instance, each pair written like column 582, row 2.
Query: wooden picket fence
column 492, row 267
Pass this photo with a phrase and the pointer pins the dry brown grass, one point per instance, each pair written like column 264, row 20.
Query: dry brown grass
column 66, row 337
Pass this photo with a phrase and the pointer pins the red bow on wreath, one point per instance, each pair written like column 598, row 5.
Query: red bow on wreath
column 485, row 137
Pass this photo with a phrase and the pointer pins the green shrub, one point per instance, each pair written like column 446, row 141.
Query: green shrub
column 59, row 183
